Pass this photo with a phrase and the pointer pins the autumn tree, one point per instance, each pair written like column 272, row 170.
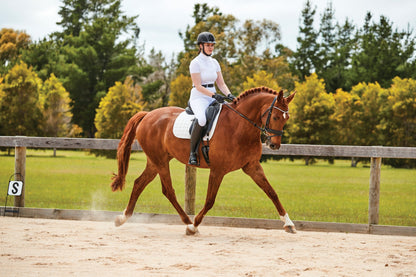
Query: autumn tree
column 261, row 78
column 180, row 91
column 12, row 43
column 346, row 117
column 310, row 121
column 122, row 101
column 367, row 131
column 56, row 108
column 398, row 118
column 20, row 105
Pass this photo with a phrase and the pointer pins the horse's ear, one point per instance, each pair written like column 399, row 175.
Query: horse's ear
column 290, row 97
column 280, row 96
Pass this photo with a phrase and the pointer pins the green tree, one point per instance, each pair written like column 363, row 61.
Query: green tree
column 74, row 14
column 338, row 76
column 382, row 53
column 328, row 62
column 156, row 85
column 46, row 57
column 306, row 58
column 122, row 101
column 20, row 105
column 99, row 45
column 56, row 108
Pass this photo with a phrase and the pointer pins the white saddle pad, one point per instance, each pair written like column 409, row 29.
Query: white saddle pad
column 183, row 123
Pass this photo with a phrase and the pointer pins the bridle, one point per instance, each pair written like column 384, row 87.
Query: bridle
column 266, row 127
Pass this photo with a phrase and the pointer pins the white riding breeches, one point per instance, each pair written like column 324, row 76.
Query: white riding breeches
column 199, row 106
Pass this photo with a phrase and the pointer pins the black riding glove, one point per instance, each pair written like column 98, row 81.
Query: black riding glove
column 230, row 97
column 219, row 98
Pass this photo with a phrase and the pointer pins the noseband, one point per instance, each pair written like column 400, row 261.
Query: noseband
column 266, row 127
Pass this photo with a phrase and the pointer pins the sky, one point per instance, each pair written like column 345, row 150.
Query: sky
column 161, row 20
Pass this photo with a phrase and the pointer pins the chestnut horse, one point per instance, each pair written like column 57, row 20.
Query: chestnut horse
column 235, row 144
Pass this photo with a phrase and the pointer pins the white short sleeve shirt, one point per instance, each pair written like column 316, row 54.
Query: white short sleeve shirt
column 208, row 68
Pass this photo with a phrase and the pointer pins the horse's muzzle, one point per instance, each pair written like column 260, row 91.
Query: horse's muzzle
column 274, row 146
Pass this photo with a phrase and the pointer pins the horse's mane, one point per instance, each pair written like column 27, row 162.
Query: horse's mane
column 254, row 91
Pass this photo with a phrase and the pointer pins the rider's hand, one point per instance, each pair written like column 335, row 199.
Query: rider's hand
column 219, row 98
column 230, row 97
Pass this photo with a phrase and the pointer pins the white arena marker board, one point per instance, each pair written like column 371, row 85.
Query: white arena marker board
column 15, row 188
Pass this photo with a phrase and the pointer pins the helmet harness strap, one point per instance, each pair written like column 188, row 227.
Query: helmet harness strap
column 203, row 50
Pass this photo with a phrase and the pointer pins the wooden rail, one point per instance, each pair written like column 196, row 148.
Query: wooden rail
column 376, row 153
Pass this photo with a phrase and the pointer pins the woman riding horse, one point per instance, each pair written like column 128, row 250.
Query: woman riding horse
column 240, row 124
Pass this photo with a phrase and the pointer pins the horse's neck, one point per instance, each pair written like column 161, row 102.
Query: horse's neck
column 254, row 106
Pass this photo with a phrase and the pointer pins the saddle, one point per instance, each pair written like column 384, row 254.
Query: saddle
column 210, row 113
column 184, row 123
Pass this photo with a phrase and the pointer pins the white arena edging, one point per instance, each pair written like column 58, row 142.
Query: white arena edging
column 210, row 221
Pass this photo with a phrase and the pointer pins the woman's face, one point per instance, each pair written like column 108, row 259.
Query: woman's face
column 208, row 48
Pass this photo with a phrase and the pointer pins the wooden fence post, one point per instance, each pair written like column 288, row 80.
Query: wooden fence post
column 190, row 185
column 374, row 192
column 20, row 172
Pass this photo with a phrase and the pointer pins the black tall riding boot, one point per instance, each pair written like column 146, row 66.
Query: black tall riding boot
column 195, row 139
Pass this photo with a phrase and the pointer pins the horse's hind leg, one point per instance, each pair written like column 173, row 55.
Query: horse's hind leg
column 140, row 184
column 169, row 192
column 255, row 171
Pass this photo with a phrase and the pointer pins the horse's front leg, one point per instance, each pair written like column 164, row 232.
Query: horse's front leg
column 214, row 183
column 255, row 171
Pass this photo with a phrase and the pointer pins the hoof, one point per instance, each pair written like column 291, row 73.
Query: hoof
column 290, row 229
column 191, row 230
column 120, row 220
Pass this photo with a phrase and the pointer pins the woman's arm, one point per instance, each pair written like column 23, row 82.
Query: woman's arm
column 221, row 84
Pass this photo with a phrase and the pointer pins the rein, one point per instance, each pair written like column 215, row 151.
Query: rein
column 266, row 128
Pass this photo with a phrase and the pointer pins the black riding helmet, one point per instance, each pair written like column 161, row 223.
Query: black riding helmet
column 205, row 37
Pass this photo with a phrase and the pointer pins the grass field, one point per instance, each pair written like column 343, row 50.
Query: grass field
column 319, row 192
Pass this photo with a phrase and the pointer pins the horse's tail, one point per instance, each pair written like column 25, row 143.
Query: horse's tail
column 124, row 150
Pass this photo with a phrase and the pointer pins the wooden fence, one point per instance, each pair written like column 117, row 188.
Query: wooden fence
column 376, row 153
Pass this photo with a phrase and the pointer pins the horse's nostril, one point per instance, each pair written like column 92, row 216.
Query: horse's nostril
column 274, row 146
